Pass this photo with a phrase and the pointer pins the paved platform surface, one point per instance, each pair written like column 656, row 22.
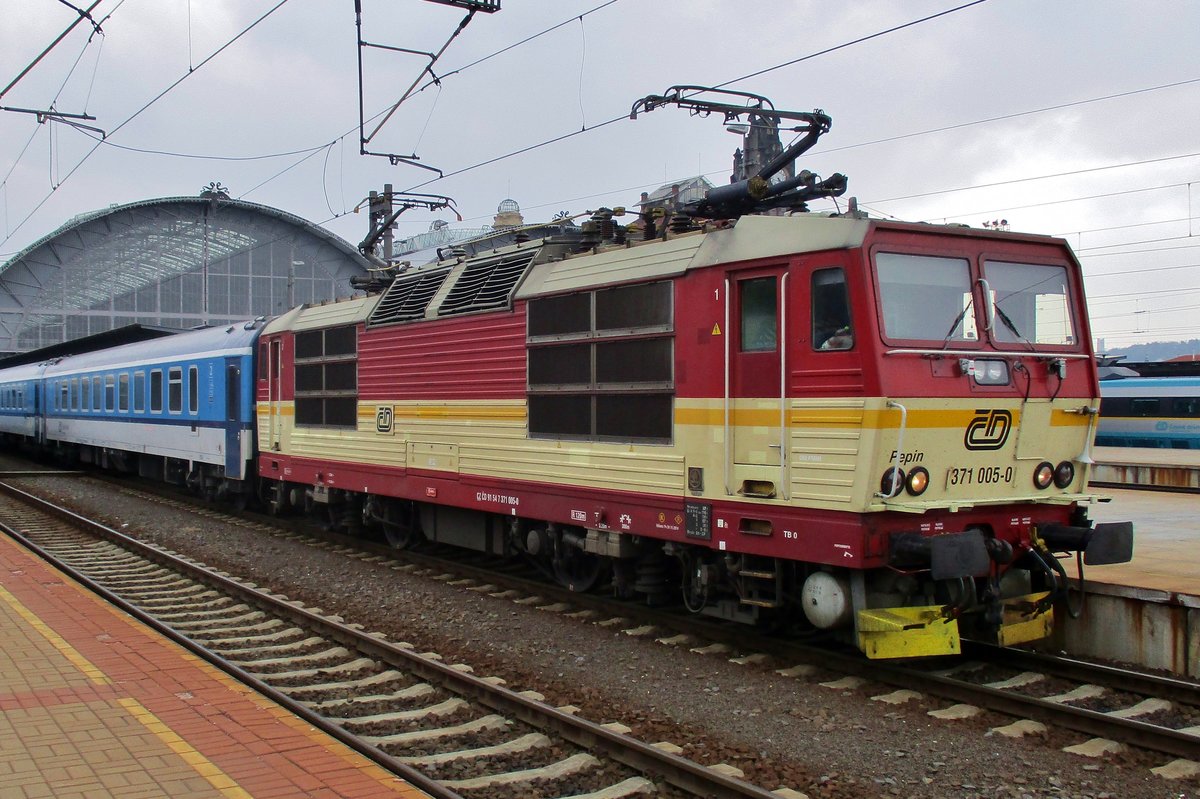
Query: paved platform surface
column 94, row 704
column 1166, row 539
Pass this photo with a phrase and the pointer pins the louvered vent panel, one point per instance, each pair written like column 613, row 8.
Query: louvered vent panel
column 487, row 284
column 408, row 297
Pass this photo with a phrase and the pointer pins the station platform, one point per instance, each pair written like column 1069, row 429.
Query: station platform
column 1166, row 538
column 1165, row 469
column 1145, row 612
column 94, row 704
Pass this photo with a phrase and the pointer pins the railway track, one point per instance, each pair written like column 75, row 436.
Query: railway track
column 1116, row 708
column 439, row 726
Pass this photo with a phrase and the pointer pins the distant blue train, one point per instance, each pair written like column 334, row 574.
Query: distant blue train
column 186, row 398
column 1150, row 412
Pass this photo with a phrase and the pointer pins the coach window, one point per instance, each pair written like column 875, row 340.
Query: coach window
column 175, row 390
column 156, row 391
column 139, row 392
column 64, row 397
column 830, row 311
column 110, row 392
column 193, row 390
column 1144, row 406
column 97, row 393
column 123, row 393
column 1186, row 406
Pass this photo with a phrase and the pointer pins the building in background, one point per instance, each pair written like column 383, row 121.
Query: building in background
column 175, row 262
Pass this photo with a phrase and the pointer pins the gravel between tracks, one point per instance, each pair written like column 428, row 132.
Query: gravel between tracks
column 826, row 743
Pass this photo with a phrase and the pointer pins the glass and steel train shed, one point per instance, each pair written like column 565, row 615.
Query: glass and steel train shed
column 175, row 262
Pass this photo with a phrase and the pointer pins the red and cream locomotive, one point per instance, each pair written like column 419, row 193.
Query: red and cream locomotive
column 864, row 426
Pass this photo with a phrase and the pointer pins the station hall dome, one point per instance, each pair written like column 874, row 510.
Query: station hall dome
column 172, row 262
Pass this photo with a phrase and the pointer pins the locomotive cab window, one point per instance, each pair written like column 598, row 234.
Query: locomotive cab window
column 926, row 297
column 1031, row 302
column 832, row 329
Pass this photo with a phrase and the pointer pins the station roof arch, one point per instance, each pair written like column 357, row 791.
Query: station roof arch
column 176, row 262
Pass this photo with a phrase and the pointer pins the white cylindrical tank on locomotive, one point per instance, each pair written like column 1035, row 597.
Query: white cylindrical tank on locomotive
column 827, row 601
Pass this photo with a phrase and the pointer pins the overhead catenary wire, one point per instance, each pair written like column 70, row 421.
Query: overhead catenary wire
column 625, row 116
column 141, row 110
column 81, row 16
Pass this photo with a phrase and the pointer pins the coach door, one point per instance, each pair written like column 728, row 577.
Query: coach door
column 39, row 417
column 233, row 419
column 755, row 352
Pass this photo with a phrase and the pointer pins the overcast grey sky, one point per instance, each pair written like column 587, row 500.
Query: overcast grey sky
column 1118, row 177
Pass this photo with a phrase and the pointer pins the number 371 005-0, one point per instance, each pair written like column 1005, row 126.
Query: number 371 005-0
column 978, row 475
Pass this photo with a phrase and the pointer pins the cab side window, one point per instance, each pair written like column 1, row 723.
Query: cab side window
column 832, row 326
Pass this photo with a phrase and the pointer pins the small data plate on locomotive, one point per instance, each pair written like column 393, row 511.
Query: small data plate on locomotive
column 699, row 520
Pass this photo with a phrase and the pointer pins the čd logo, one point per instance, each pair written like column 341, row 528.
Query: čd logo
column 988, row 430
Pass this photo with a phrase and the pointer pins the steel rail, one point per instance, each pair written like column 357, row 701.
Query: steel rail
column 1136, row 682
column 1094, row 723
column 376, row 755
column 680, row 772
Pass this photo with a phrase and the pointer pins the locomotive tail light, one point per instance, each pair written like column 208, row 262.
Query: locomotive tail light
column 918, row 481
column 1043, row 475
column 990, row 372
column 1064, row 473
column 892, row 482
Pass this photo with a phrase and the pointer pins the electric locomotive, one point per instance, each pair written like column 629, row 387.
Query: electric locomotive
column 868, row 427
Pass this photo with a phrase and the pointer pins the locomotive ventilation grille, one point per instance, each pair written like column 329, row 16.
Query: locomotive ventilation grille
column 487, row 283
column 483, row 284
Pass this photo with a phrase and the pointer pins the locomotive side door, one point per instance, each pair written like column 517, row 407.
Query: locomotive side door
column 756, row 321
column 274, row 368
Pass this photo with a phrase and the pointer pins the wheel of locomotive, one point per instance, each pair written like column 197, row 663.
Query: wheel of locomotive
column 579, row 571
column 400, row 525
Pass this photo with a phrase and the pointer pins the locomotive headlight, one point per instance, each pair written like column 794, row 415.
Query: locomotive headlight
column 1064, row 473
column 1043, row 475
column 991, row 372
column 892, row 482
column 918, row 481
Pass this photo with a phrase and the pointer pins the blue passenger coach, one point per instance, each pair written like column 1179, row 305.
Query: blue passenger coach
column 20, row 391
column 1150, row 412
column 178, row 408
